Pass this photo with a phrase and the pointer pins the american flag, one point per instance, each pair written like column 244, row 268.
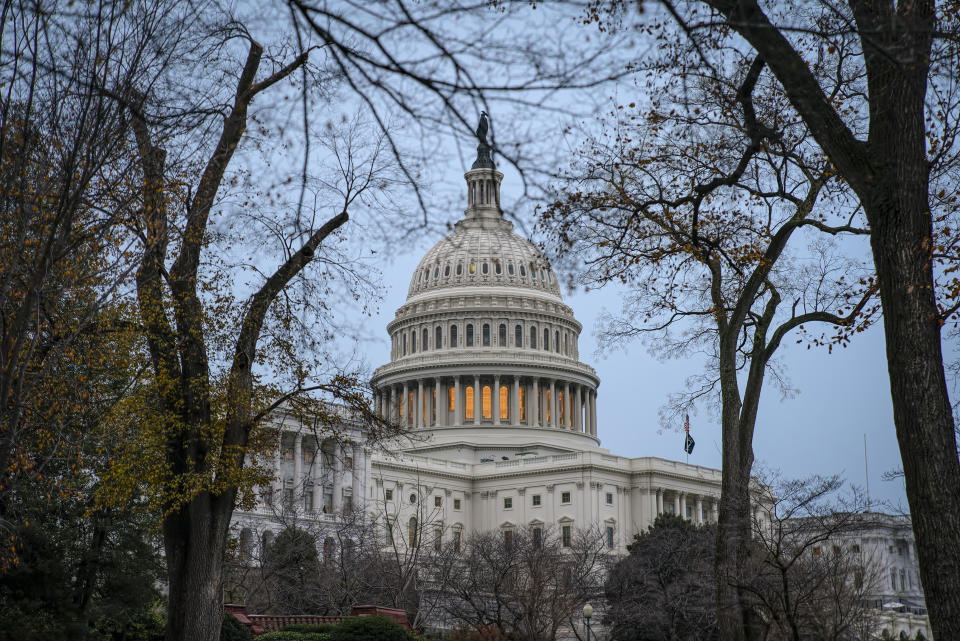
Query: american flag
column 688, row 442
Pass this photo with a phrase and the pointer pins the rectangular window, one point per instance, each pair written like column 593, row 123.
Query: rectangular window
column 609, row 498
column 518, row 336
column 347, row 505
column 288, row 453
column 565, row 497
column 537, row 538
column 566, row 536
column 609, row 537
column 689, row 512
column 437, row 538
column 308, row 501
column 508, row 539
column 502, row 336
column 486, row 335
column 508, row 503
column 328, row 503
column 452, row 399
column 456, row 504
column 523, row 403
column 308, row 456
column 456, row 540
column 468, row 406
column 487, row 400
column 437, row 501
column 504, row 403
column 388, row 531
column 536, row 500
column 388, row 495
column 470, row 335
column 288, row 498
column 533, row 338
column 547, row 404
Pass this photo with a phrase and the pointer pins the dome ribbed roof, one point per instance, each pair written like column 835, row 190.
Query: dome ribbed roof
column 483, row 253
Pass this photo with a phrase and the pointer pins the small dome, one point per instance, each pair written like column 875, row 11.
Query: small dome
column 483, row 253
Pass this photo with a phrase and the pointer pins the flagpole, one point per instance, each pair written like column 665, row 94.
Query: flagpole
column 866, row 469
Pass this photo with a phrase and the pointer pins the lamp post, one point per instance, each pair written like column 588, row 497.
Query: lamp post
column 587, row 613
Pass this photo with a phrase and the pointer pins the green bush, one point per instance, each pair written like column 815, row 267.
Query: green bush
column 308, row 627
column 287, row 635
column 370, row 628
column 232, row 630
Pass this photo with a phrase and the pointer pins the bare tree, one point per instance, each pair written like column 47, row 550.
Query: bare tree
column 526, row 583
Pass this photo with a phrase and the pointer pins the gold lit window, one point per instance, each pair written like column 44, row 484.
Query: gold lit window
column 452, row 395
column 562, row 413
column 468, row 393
column 504, row 402
column 486, row 402
column 433, row 406
column 548, row 406
column 523, row 403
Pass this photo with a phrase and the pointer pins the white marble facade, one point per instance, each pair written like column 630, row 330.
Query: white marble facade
column 485, row 374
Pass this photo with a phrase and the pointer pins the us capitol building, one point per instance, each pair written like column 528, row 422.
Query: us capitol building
column 485, row 372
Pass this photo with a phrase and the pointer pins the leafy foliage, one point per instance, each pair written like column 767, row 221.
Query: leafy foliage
column 370, row 628
column 233, row 630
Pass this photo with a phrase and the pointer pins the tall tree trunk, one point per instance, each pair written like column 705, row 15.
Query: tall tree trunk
column 194, row 541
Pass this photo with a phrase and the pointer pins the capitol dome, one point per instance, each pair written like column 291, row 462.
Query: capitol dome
column 484, row 346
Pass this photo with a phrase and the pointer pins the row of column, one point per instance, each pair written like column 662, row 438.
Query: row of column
column 532, row 401
column 680, row 502
column 317, row 471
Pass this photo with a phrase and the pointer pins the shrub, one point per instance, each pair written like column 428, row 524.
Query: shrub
column 233, row 630
column 308, row 627
column 287, row 635
column 370, row 628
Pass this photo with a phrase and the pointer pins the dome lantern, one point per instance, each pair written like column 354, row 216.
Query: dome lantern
column 483, row 179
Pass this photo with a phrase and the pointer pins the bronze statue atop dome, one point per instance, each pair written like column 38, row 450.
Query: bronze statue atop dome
column 484, row 159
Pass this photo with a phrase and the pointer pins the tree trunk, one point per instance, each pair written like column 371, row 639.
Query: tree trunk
column 194, row 540
column 901, row 242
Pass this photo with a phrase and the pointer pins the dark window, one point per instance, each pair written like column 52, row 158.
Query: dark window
column 453, row 336
column 566, row 536
column 470, row 335
column 426, row 340
column 438, row 339
column 437, row 501
column 446, row 269
column 508, row 539
column 510, row 268
column 533, row 272
column 518, row 336
column 486, row 335
column 436, row 272
column 536, row 499
column 546, row 339
column 565, row 497
column 459, row 269
column 497, row 268
column 388, row 495
column 485, row 268
column 556, row 341
column 508, row 503
column 609, row 537
column 456, row 504
column 533, row 338
column 413, row 342
column 502, row 336
column 609, row 498
column 537, row 538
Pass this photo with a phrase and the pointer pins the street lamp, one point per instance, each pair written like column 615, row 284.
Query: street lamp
column 587, row 613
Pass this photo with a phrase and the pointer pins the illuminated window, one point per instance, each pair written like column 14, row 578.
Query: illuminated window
column 486, row 400
column 561, row 413
column 438, row 339
column 533, row 338
column 523, row 402
column 502, row 336
column 452, row 399
column 518, row 336
column 473, row 268
column 453, row 336
column 504, row 402
column 468, row 398
column 469, row 335
column 547, row 404
column 486, row 335
column 433, row 405
column 411, row 407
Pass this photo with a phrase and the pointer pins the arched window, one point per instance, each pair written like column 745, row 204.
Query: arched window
column 484, row 268
column 542, row 277
column 459, row 269
column 510, row 269
column 452, row 398
column 436, row 272
column 446, row 270
column 523, row 402
column 453, row 336
column 523, row 271
column 412, row 531
column 518, row 336
column 533, row 338
column 533, row 272
column 438, row 339
column 413, row 342
column 426, row 340
column 546, row 339
column 566, row 350
column 504, row 402
column 497, row 268
column 561, row 413
column 468, row 402
column 556, row 341
column 469, row 335
column 411, row 407
column 473, row 267
column 404, row 341
column 487, row 413
column 502, row 335
column 486, row 335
